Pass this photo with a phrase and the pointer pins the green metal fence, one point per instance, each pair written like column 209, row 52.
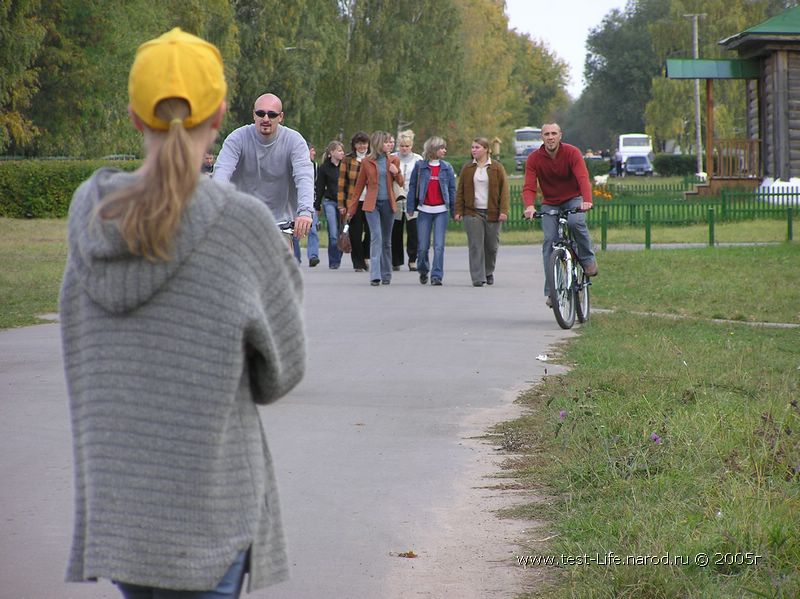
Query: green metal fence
column 667, row 206
column 660, row 204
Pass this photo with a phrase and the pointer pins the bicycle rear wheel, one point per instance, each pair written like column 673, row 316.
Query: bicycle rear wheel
column 582, row 291
column 562, row 294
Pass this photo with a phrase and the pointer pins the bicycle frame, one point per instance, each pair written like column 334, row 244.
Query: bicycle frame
column 568, row 284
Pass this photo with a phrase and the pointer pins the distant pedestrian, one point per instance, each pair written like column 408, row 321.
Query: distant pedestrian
column 208, row 163
column 180, row 312
column 408, row 158
column 482, row 200
column 312, row 243
column 432, row 191
column 378, row 171
column 326, row 192
column 348, row 174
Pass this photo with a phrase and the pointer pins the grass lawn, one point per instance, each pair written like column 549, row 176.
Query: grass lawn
column 32, row 257
column 670, row 441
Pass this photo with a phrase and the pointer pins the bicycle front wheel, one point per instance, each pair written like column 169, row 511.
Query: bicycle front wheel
column 562, row 294
column 582, row 291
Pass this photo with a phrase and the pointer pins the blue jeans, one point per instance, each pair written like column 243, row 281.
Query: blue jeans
column 331, row 208
column 425, row 223
column 381, row 221
column 230, row 587
column 312, row 246
column 577, row 224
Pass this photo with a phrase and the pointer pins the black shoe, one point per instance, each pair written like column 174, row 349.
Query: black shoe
column 477, row 284
column 490, row 279
column 423, row 278
column 358, row 269
column 313, row 261
column 436, row 282
column 375, row 282
column 386, row 282
column 396, row 267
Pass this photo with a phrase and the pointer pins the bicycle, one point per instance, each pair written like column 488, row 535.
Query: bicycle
column 566, row 279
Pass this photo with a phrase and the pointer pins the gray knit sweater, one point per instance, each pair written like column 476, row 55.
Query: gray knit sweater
column 165, row 363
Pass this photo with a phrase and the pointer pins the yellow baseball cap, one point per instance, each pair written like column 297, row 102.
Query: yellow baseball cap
column 176, row 65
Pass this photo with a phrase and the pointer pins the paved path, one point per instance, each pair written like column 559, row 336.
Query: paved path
column 374, row 450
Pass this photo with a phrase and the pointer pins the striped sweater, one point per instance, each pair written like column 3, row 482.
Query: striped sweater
column 165, row 363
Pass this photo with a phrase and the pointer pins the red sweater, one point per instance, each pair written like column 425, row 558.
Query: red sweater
column 561, row 178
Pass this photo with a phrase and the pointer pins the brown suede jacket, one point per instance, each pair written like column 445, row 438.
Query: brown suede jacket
column 499, row 202
column 368, row 176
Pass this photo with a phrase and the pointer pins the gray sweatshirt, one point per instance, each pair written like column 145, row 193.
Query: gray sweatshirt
column 279, row 173
column 165, row 363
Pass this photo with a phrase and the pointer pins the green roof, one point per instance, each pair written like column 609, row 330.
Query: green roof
column 782, row 26
column 687, row 68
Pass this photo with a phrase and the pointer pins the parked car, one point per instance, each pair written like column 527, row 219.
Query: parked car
column 520, row 159
column 638, row 165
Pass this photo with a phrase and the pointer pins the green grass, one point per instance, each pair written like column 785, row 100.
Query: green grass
column 32, row 257
column 750, row 283
column 670, row 436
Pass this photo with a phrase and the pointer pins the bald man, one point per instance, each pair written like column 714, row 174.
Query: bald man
column 270, row 161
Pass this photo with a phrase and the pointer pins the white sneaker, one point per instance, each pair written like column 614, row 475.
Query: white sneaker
column 548, row 301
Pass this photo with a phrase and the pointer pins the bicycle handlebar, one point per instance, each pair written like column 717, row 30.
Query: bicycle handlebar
column 286, row 226
column 556, row 212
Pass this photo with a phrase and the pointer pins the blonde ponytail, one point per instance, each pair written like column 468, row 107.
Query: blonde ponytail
column 149, row 211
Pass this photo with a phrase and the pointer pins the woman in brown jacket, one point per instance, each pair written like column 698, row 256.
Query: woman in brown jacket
column 482, row 201
column 378, row 171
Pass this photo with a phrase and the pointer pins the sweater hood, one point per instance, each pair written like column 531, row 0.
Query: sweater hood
column 112, row 276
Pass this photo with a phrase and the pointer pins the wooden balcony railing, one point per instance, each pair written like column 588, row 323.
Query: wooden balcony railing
column 737, row 159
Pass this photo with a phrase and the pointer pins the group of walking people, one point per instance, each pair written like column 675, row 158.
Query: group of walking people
column 383, row 194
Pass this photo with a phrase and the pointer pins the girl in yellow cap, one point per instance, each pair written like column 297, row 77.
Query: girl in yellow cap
column 180, row 312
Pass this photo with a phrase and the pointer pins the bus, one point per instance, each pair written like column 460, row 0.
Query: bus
column 526, row 140
column 635, row 144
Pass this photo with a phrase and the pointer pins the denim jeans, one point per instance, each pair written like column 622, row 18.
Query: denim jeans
column 380, row 223
column 230, row 587
column 331, row 208
column 577, row 224
column 425, row 223
column 312, row 245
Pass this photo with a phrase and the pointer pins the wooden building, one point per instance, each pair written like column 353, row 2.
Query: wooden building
column 769, row 63
column 773, row 100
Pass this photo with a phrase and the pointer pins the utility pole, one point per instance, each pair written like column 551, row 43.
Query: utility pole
column 695, row 54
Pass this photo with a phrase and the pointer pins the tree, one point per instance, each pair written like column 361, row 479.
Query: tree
column 620, row 67
column 21, row 36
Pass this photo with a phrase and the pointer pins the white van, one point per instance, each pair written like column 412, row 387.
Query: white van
column 526, row 140
column 635, row 144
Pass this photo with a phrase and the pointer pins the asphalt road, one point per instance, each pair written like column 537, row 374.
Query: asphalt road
column 375, row 450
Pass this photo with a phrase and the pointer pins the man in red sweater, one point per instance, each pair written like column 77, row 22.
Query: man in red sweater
column 564, row 180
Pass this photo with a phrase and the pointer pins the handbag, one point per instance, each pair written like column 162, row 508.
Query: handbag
column 343, row 241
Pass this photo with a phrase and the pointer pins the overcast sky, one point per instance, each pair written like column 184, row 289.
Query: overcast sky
column 563, row 26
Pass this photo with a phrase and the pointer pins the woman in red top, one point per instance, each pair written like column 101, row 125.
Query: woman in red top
column 432, row 192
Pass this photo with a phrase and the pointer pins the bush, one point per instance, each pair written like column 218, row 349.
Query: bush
column 597, row 167
column 44, row 188
column 671, row 165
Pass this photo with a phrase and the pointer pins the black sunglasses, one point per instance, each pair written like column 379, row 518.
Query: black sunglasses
column 270, row 113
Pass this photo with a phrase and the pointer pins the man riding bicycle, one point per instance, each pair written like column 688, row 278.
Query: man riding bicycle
column 564, row 180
